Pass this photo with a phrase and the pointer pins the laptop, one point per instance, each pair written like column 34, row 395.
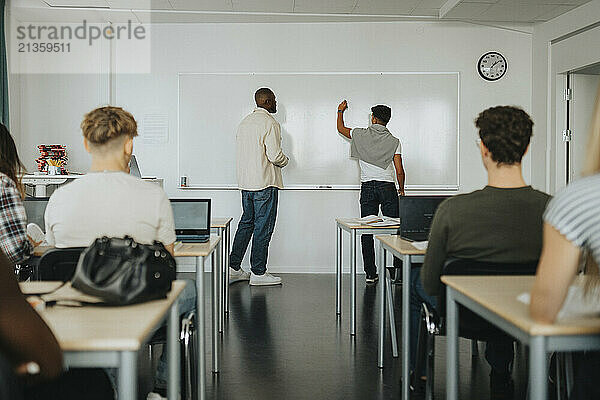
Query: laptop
column 134, row 168
column 35, row 208
column 192, row 220
column 416, row 216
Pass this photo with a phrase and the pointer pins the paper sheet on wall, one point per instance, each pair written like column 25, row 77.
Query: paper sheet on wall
column 155, row 128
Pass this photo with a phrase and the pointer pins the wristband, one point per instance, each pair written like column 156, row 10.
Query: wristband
column 340, row 111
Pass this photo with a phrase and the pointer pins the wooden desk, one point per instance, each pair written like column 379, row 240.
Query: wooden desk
column 404, row 250
column 494, row 298
column 110, row 337
column 355, row 228
column 200, row 251
column 222, row 226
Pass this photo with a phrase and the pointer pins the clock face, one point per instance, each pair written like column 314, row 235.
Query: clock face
column 492, row 66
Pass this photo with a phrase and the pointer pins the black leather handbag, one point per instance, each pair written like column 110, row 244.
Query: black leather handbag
column 120, row 271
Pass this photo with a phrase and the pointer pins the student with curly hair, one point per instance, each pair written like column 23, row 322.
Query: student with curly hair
column 501, row 223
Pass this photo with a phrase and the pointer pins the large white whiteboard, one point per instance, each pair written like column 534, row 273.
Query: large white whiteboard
column 424, row 118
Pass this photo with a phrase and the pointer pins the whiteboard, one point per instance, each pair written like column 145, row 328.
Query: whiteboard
column 424, row 118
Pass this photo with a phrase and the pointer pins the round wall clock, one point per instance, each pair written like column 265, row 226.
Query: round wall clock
column 492, row 66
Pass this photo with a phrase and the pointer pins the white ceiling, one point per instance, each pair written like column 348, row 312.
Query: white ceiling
column 517, row 11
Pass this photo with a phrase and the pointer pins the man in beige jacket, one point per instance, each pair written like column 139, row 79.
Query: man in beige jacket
column 259, row 163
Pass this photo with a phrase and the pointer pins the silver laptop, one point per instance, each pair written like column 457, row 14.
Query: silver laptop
column 192, row 219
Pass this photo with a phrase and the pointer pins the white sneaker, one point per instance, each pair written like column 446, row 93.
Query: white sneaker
column 264, row 280
column 239, row 275
column 155, row 396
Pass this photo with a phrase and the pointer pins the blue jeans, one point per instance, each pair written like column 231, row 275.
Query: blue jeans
column 186, row 303
column 258, row 222
column 498, row 353
column 374, row 194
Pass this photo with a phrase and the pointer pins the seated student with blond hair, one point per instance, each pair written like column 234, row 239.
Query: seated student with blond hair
column 108, row 201
column 572, row 233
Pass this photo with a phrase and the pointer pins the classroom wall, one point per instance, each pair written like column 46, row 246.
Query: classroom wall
column 304, row 238
column 566, row 42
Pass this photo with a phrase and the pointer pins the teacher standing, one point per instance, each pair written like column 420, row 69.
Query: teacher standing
column 378, row 153
column 259, row 163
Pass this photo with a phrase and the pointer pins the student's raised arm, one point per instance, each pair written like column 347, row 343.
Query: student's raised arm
column 24, row 337
column 341, row 127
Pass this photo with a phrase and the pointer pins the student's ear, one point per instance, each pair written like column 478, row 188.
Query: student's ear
column 527, row 149
column 129, row 146
column 86, row 145
column 485, row 152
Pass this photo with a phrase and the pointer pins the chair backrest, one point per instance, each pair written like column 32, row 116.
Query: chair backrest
column 59, row 264
column 471, row 325
column 462, row 266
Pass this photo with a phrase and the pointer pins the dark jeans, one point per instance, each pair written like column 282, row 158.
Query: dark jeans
column 372, row 195
column 498, row 353
column 258, row 222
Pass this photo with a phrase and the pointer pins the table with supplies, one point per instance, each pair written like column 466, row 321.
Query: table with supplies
column 200, row 252
column 355, row 228
column 494, row 298
column 111, row 337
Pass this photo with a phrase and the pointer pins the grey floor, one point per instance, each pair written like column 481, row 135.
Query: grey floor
column 287, row 343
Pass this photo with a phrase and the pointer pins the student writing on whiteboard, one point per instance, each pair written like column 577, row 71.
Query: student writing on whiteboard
column 378, row 153
column 259, row 163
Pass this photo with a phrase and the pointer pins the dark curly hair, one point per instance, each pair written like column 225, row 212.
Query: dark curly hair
column 506, row 132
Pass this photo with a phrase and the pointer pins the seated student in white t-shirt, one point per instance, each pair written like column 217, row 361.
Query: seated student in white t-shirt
column 108, row 201
column 378, row 153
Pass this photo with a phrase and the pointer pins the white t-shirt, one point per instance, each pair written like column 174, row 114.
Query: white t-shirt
column 111, row 204
column 370, row 172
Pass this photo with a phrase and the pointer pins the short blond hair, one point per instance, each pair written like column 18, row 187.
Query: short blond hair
column 103, row 124
column 592, row 162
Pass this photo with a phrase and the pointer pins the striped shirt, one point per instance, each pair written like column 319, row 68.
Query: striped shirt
column 13, row 222
column 575, row 213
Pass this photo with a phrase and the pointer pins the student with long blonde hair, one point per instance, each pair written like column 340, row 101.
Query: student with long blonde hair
column 572, row 235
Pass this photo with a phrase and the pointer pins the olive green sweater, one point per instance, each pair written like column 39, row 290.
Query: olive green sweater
column 492, row 224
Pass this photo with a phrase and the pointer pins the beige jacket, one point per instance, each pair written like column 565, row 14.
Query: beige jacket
column 259, row 154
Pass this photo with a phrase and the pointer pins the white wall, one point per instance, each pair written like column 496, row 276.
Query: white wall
column 304, row 239
column 559, row 45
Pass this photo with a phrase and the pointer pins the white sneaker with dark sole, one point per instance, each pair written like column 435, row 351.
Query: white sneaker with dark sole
column 264, row 280
column 237, row 276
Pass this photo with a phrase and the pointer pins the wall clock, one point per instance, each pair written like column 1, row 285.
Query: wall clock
column 492, row 66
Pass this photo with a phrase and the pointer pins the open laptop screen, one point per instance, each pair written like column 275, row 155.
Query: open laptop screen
column 416, row 215
column 35, row 208
column 192, row 216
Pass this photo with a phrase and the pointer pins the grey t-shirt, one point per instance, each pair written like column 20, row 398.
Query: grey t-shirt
column 492, row 224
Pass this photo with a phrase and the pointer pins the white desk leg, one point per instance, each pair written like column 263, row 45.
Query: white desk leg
column 200, row 331
column 353, row 282
column 173, row 352
column 215, row 307
column 226, row 269
column 406, row 266
column 538, row 385
column 338, row 270
column 451, row 346
column 128, row 375
column 390, row 302
column 222, row 281
column 382, row 294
